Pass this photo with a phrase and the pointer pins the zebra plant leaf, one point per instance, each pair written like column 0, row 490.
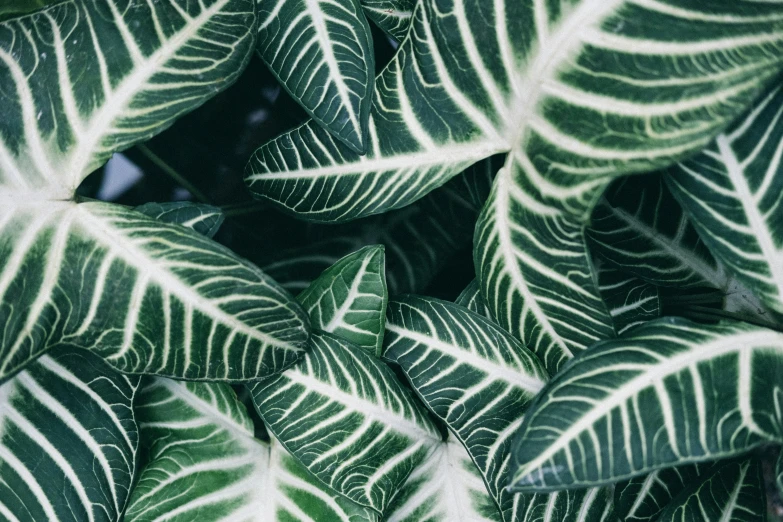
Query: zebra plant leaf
column 205, row 464
column 734, row 491
column 471, row 299
column 671, row 392
column 470, row 374
column 344, row 415
column 12, row 8
column 68, row 440
column 583, row 505
column 643, row 498
column 630, row 300
column 734, row 193
column 349, row 299
column 204, row 219
column 447, row 487
column 147, row 296
column 393, row 16
column 640, row 228
column 322, row 53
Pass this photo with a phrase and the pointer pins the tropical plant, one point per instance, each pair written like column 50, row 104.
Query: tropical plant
column 608, row 348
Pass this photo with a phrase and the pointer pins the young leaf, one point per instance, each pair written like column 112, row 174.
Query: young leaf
column 204, row 219
column 447, row 487
column 671, row 392
column 643, row 498
column 393, row 16
column 344, row 415
column 147, row 296
column 734, row 491
column 734, row 194
column 349, row 299
column 630, row 300
column 322, row 53
column 470, row 373
column 68, row 440
column 640, row 228
column 471, row 299
column 205, row 464
column 140, row 66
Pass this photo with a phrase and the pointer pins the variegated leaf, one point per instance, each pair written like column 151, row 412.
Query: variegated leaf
column 204, row 464
column 630, row 300
column 204, row 219
column 643, row 498
column 733, row 491
column 471, row 374
column 322, row 53
column 447, row 487
column 68, row 440
column 582, row 505
column 471, row 299
column 349, row 299
column 393, row 16
column 343, row 414
column 147, row 296
column 671, row 392
column 733, row 191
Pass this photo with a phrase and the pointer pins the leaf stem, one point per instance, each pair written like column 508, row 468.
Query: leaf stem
column 173, row 174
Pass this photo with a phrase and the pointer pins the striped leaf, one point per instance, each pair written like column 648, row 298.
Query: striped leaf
column 204, row 464
column 630, row 300
column 734, row 193
column 471, row 299
column 344, row 415
column 583, row 505
column 447, row 487
column 393, row 16
column 643, row 498
column 734, row 491
column 471, row 374
column 140, row 66
column 349, row 299
column 204, row 219
column 640, row 228
column 147, row 296
column 322, row 53
column 68, row 440
column 671, row 392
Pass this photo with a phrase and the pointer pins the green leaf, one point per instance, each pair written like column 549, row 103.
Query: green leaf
column 471, row 299
column 447, row 487
column 204, row 219
column 393, row 16
column 643, row 498
column 12, row 8
column 734, row 193
column 68, row 440
column 583, row 505
column 640, row 228
column 147, row 296
column 344, row 415
column 671, row 392
column 734, row 491
column 322, row 53
column 139, row 67
column 779, row 472
column 204, row 464
column 471, row 374
column 630, row 300
column 349, row 299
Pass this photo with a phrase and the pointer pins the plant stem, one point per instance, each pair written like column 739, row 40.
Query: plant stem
column 173, row 174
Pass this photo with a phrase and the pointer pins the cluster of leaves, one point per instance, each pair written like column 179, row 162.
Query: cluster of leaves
column 619, row 355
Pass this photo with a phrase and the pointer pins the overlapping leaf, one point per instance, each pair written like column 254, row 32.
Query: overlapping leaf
column 393, row 16
column 671, row 392
column 447, row 487
column 471, row 299
column 630, row 300
column 322, row 53
column 344, row 415
column 583, row 505
column 68, row 440
column 349, row 299
column 204, row 219
column 149, row 297
column 470, row 373
column 734, row 193
column 204, row 464
column 643, row 499
column 733, row 491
